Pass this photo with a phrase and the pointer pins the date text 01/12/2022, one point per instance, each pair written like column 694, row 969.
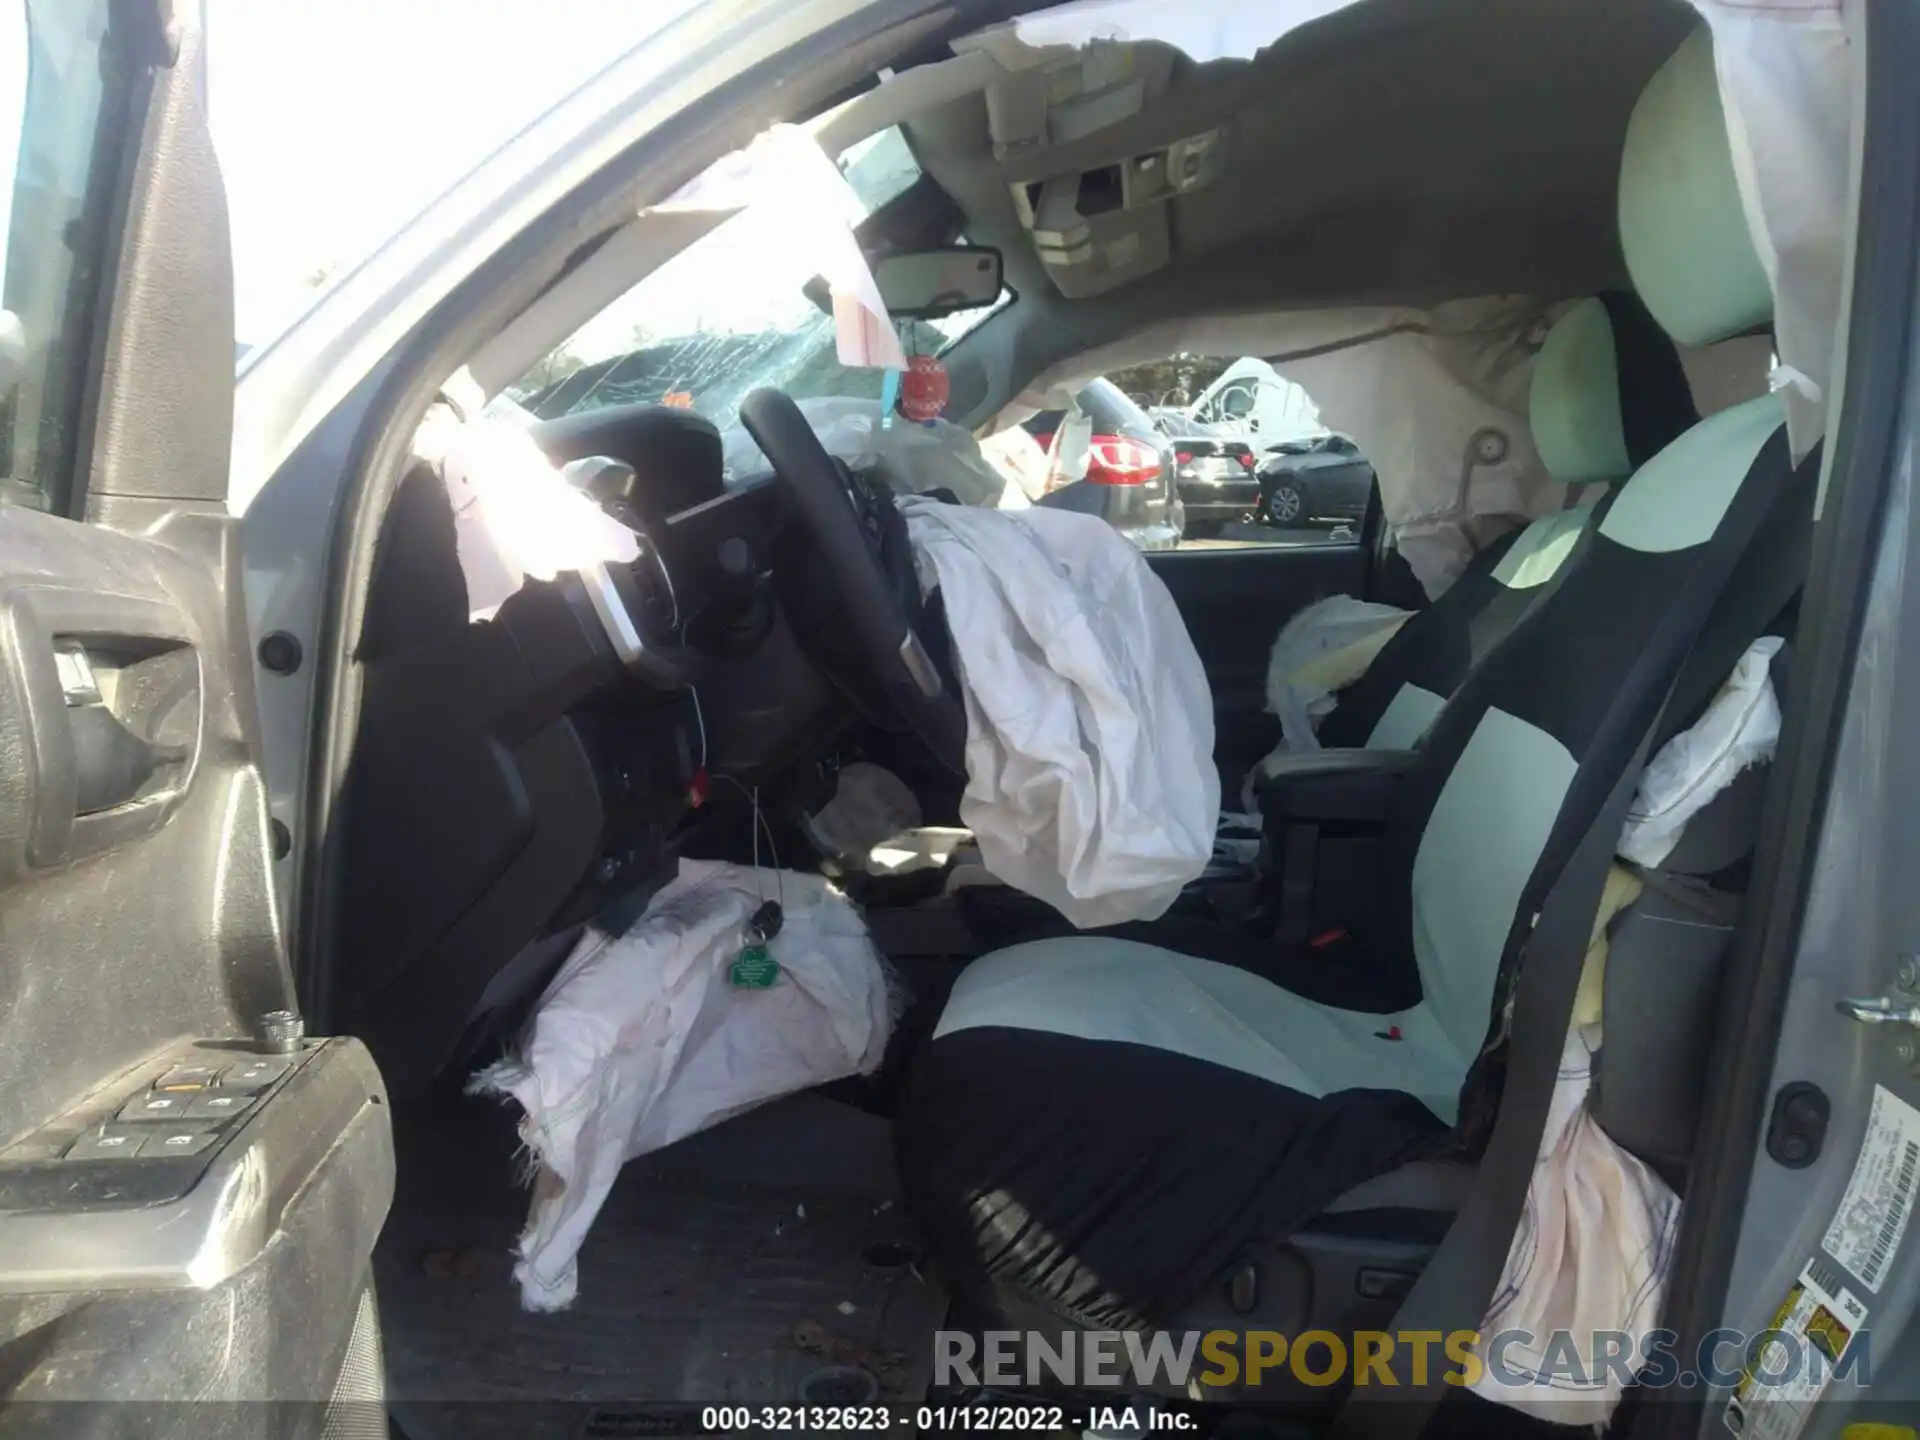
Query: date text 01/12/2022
column 953, row 1419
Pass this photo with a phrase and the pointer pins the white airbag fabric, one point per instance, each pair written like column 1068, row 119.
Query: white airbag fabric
column 1322, row 650
column 1204, row 29
column 805, row 211
column 1436, row 399
column 1090, row 774
column 1741, row 728
column 641, row 1041
column 1590, row 1258
column 1788, row 81
column 1595, row 1244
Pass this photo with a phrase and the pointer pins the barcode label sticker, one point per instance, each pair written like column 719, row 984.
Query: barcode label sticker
column 1872, row 1219
column 1816, row 1322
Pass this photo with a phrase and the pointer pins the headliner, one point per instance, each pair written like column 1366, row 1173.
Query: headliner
column 1399, row 151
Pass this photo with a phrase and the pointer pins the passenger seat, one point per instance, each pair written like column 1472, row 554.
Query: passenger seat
column 1608, row 395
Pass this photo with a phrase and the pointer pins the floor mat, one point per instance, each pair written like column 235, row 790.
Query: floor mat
column 729, row 1268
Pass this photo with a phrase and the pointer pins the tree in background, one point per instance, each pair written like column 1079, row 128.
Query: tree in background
column 556, row 365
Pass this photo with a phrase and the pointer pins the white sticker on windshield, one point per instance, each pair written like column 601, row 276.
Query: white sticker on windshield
column 1872, row 1219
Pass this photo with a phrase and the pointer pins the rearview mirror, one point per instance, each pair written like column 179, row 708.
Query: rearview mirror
column 930, row 284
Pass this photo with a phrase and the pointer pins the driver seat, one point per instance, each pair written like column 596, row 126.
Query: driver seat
column 1109, row 1134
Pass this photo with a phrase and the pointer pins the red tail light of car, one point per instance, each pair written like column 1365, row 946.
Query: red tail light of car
column 1118, row 460
column 1183, row 456
column 1247, row 461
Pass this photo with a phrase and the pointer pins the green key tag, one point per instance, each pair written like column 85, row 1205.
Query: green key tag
column 756, row 969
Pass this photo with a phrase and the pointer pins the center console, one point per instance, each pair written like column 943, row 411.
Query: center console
column 1323, row 813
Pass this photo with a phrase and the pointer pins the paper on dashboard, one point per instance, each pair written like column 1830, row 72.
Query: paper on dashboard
column 785, row 183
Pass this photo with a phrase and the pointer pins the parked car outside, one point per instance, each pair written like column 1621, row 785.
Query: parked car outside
column 1321, row 481
column 1213, row 473
column 1252, row 399
column 1129, row 465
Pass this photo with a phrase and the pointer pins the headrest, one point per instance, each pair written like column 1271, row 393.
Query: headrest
column 1608, row 392
column 1682, row 226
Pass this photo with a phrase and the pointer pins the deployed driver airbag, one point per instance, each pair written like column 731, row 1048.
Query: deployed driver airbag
column 1090, row 774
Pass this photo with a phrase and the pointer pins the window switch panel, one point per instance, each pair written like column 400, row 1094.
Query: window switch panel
column 176, row 1140
column 109, row 1142
column 155, row 1105
column 218, row 1105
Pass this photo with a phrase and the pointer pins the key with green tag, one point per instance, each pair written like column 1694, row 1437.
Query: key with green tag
column 756, row 969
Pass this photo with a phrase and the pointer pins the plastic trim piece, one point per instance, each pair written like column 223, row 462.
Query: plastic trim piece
column 332, row 1104
column 612, row 613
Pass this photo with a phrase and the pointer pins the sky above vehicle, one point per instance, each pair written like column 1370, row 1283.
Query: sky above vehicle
column 336, row 123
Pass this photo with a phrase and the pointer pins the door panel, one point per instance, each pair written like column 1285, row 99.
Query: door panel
column 189, row 1190
column 1234, row 602
column 138, row 937
column 218, row 1276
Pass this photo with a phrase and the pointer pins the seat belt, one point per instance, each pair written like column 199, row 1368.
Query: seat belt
column 1456, row 1288
column 1454, row 1291
column 1771, row 576
column 1717, row 907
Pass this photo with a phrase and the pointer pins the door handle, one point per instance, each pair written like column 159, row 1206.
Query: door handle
column 111, row 764
column 1881, row 1011
column 107, row 691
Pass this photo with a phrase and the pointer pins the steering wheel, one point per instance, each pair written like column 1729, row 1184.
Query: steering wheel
column 875, row 625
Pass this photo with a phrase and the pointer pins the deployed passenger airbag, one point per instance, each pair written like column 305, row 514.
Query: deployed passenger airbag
column 646, row 1038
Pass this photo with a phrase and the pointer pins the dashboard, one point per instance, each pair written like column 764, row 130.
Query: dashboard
column 512, row 778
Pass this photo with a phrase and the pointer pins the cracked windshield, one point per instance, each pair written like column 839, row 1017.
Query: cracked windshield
column 718, row 321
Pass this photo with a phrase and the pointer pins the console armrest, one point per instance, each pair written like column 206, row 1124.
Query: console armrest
column 1323, row 811
column 1330, row 785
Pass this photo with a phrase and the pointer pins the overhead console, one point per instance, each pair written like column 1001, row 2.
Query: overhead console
column 1095, row 227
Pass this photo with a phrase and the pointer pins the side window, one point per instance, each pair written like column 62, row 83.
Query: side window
column 1251, row 462
column 64, row 99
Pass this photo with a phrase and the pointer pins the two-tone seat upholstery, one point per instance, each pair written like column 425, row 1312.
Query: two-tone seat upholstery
column 1100, row 1130
column 1608, row 394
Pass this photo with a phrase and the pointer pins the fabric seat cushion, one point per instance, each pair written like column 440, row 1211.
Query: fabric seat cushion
column 1410, row 681
column 1608, row 393
column 1101, row 1126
